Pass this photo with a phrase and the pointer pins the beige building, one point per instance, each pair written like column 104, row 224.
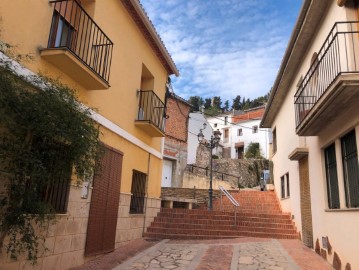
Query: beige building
column 313, row 112
column 110, row 53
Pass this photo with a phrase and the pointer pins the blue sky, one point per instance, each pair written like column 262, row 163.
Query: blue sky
column 224, row 47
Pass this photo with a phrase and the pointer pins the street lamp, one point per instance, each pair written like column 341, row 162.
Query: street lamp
column 215, row 138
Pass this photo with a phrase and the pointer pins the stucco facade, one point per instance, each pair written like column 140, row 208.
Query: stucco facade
column 313, row 109
column 137, row 60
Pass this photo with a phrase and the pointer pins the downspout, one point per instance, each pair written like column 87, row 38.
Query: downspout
column 146, row 194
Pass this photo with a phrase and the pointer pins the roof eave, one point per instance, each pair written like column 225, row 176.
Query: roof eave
column 157, row 42
column 311, row 13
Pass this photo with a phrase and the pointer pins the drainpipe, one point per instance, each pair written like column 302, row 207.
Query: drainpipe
column 146, row 194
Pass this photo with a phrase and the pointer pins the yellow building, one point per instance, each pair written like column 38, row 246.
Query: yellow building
column 111, row 54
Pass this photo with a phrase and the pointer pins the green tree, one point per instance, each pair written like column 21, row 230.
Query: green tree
column 226, row 105
column 237, row 105
column 37, row 127
column 207, row 103
column 253, row 151
column 196, row 102
column 217, row 103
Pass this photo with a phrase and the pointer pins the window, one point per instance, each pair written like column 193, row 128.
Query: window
column 255, row 129
column 57, row 192
column 351, row 170
column 332, row 177
column 282, row 187
column 240, row 132
column 226, row 120
column 274, row 141
column 288, row 189
column 138, row 192
column 215, row 125
column 226, row 136
column 63, row 34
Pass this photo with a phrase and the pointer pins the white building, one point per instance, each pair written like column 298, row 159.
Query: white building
column 195, row 123
column 239, row 129
column 313, row 111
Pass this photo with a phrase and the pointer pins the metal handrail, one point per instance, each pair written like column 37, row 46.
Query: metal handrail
column 73, row 28
column 232, row 200
column 151, row 109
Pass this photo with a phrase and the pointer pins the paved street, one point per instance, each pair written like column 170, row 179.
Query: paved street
column 241, row 254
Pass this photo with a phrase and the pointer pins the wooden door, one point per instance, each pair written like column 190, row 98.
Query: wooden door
column 101, row 230
column 305, row 202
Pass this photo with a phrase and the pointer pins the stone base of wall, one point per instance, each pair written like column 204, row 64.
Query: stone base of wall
column 66, row 238
column 132, row 226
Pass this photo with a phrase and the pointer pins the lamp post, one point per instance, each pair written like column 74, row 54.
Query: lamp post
column 215, row 138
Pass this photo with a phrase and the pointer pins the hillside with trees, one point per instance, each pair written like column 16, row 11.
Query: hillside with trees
column 215, row 105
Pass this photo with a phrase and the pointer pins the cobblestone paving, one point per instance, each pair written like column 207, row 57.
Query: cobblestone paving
column 267, row 255
column 165, row 256
column 245, row 256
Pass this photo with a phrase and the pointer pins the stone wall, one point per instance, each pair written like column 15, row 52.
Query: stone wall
column 190, row 193
column 239, row 168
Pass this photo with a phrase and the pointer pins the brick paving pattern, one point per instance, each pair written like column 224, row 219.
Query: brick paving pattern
column 227, row 254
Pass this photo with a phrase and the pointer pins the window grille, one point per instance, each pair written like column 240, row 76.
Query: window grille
column 138, row 190
column 56, row 193
column 288, row 189
column 350, row 169
column 332, row 177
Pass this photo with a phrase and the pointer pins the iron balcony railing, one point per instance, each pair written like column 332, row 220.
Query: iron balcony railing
column 74, row 29
column 338, row 55
column 151, row 109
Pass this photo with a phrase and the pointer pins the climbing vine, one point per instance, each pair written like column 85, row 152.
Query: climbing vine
column 44, row 131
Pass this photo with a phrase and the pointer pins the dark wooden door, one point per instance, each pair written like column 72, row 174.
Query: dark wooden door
column 305, row 202
column 101, row 230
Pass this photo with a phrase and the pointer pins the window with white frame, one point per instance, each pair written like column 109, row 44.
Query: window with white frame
column 239, row 132
column 255, row 129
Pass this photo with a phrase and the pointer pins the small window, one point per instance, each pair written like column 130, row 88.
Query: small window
column 274, row 141
column 138, row 192
column 288, row 188
column 240, row 132
column 215, row 125
column 282, row 187
column 255, row 129
column 226, row 120
column 350, row 169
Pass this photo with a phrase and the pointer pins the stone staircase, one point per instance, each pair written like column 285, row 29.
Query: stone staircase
column 259, row 215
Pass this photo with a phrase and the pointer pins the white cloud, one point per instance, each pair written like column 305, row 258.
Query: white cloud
column 224, row 47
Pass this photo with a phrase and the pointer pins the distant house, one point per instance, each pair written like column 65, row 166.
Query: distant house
column 175, row 145
column 313, row 111
column 239, row 129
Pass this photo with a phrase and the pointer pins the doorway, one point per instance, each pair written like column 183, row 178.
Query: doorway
column 305, row 202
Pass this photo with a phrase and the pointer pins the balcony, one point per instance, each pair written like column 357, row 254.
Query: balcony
column 78, row 46
column 151, row 116
column 330, row 87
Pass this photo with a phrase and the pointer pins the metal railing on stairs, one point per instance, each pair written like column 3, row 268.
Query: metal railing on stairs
column 232, row 200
